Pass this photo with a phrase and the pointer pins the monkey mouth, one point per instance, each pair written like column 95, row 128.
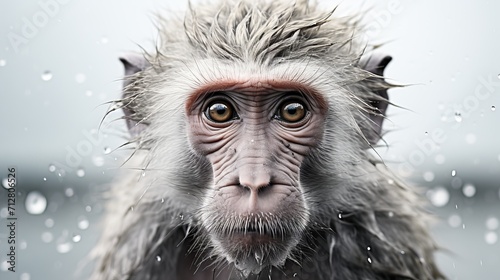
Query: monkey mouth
column 253, row 229
column 249, row 238
column 254, row 237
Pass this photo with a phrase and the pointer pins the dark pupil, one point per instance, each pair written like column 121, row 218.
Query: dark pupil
column 292, row 108
column 220, row 109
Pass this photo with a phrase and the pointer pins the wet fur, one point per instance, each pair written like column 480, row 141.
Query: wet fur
column 365, row 223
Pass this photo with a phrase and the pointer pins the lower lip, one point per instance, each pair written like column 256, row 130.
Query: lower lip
column 250, row 238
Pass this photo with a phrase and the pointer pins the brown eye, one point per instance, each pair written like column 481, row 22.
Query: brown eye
column 292, row 111
column 220, row 111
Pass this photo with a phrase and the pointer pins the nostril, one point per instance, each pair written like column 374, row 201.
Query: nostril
column 263, row 188
column 256, row 188
column 246, row 188
column 254, row 179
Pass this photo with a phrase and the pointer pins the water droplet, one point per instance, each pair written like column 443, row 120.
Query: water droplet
column 340, row 215
column 390, row 182
column 25, row 276
column 3, row 62
column 35, row 203
column 181, row 217
column 369, row 260
column 491, row 237
column 162, row 200
column 492, row 223
column 5, row 183
column 402, row 252
column 107, row 150
column 49, row 223
column 368, row 248
column 463, row 226
column 390, row 214
column 428, row 176
column 47, row 75
column 98, row 161
column 76, row 238
column 47, row 237
column 426, row 133
column 470, row 138
column 69, row 192
column 454, row 220
column 45, row 179
column 458, row 117
column 52, row 168
column 88, row 93
column 80, row 78
column 498, row 76
column 80, row 172
column 83, row 223
column 438, row 196
column 158, row 258
column 453, row 173
column 64, row 248
column 295, row 274
column 88, row 208
column 469, row 190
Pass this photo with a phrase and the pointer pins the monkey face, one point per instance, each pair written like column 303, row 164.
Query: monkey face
column 255, row 136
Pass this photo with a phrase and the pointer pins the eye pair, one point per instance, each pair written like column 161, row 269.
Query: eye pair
column 221, row 111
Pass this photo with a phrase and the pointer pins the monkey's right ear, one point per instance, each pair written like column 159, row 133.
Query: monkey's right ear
column 379, row 99
column 133, row 63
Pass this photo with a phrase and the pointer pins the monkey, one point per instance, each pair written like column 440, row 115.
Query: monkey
column 253, row 126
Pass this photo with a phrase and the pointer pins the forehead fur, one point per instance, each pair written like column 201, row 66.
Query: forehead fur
column 263, row 32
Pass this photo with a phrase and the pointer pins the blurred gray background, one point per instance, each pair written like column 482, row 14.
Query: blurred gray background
column 59, row 67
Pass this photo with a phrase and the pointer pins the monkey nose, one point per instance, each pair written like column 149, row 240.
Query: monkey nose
column 255, row 180
column 257, row 190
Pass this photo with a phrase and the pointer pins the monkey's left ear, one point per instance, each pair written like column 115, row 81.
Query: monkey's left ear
column 133, row 64
column 379, row 98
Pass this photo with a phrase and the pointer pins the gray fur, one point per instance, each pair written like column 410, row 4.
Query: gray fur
column 364, row 223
